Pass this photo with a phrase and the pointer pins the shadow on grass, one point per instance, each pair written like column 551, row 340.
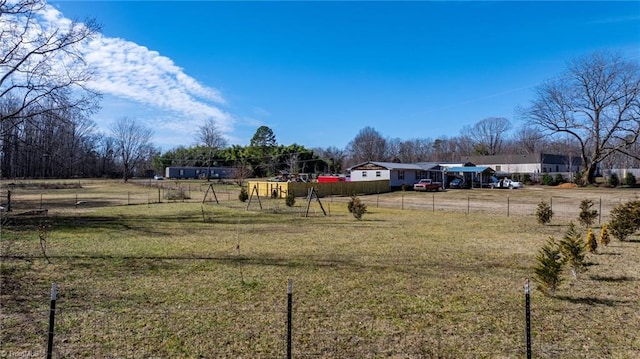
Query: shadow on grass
column 137, row 261
column 593, row 301
column 617, row 279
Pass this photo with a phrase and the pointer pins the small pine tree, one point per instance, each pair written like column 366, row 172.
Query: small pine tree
column 243, row 196
column 630, row 179
column 614, row 180
column 544, row 213
column 625, row 220
column 587, row 214
column 592, row 244
column 605, row 238
column 290, row 200
column 573, row 250
column 356, row 207
column 549, row 267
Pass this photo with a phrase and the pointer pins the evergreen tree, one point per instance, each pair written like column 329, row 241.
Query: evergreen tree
column 592, row 243
column 587, row 214
column 605, row 238
column 544, row 213
column 243, row 196
column 290, row 200
column 573, row 250
column 625, row 219
column 547, row 271
column 356, row 207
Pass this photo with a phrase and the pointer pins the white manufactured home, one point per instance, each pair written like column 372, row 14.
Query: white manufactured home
column 398, row 174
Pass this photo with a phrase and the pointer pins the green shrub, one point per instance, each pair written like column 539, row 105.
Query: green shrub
column 547, row 180
column 290, row 200
column 630, row 179
column 614, row 181
column 356, row 207
column 405, row 187
column 587, row 214
column 243, row 196
column 548, row 268
column 544, row 213
column 578, row 180
column 558, row 179
column 625, row 220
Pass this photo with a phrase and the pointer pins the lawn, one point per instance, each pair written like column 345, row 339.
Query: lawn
column 193, row 280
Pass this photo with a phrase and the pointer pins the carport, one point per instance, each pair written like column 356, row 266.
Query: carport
column 478, row 176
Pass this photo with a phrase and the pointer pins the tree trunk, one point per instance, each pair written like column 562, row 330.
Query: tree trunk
column 589, row 175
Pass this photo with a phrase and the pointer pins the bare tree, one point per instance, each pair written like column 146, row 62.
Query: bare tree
column 133, row 141
column 368, row 145
column 212, row 138
column 210, row 135
column 597, row 102
column 41, row 65
column 488, row 135
column 528, row 140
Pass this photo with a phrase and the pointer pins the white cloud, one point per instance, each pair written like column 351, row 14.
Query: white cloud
column 127, row 70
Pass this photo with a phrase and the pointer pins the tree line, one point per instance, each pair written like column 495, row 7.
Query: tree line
column 591, row 111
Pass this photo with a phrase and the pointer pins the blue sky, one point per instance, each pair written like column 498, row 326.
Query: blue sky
column 318, row 72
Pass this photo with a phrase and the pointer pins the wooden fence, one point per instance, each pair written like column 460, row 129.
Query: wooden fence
column 300, row 189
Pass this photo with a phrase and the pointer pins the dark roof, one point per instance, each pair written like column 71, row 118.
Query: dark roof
column 546, row 158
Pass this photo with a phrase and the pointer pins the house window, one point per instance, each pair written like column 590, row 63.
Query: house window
column 544, row 169
column 400, row 175
column 181, row 172
column 498, row 168
column 378, row 174
column 364, row 173
column 557, row 168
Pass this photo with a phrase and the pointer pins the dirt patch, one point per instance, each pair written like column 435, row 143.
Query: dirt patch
column 567, row 185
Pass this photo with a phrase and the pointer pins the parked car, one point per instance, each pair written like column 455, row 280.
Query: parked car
column 458, row 183
column 505, row 183
column 158, row 178
column 427, row 185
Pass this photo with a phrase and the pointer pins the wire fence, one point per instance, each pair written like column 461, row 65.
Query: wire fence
column 600, row 330
column 493, row 202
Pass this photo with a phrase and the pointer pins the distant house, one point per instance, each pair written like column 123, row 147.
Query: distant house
column 397, row 174
column 198, row 172
column 532, row 164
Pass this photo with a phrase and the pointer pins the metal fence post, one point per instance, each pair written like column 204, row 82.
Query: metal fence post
column 600, row 212
column 289, row 316
column 527, row 302
column 52, row 315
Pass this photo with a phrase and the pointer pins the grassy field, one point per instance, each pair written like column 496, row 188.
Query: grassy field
column 183, row 279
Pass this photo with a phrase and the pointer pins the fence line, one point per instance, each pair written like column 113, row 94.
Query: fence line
column 289, row 327
column 563, row 208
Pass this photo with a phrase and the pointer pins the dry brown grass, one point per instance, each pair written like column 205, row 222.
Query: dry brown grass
column 190, row 280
